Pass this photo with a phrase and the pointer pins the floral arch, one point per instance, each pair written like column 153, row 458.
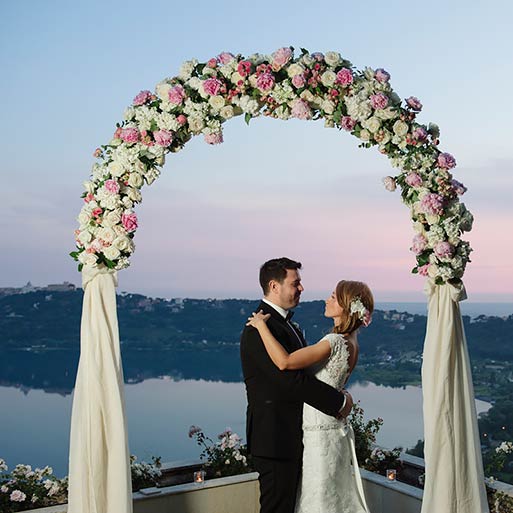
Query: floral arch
column 310, row 86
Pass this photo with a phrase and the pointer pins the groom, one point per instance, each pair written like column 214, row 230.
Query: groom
column 275, row 398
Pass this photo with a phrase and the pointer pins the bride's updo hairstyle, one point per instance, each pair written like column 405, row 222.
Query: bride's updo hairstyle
column 345, row 292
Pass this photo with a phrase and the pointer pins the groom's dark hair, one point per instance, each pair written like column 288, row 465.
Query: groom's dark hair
column 276, row 269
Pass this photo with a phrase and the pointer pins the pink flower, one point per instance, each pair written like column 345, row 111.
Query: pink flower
column 193, row 430
column 112, row 186
column 458, row 187
column 281, row 57
column 89, row 197
column 130, row 135
column 379, row 101
column 176, row 94
column 367, row 318
column 97, row 153
column 97, row 212
column 142, row 98
column 423, row 269
column 446, row 161
column 96, row 246
column 225, row 57
column 17, row 496
column 432, row 204
column 163, row 137
column 420, row 134
column 181, row 119
column 389, row 183
column 443, row 250
column 212, row 63
column 344, row 77
column 265, row 82
column 301, row 109
column 129, row 221
column 419, row 244
column 244, row 68
column 214, row 138
column 381, row 75
column 298, row 81
column 347, row 123
column 117, row 133
column 212, row 86
column 413, row 179
column 414, row 103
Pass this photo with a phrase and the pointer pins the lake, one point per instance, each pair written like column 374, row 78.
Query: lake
column 34, row 425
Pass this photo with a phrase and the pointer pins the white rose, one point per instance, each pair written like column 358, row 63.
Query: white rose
column 328, row 78
column 123, row 243
column 111, row 219
column 328, row 106
column 196, row 124
column 236, row 78
column 332, row 58
column 129, row 113
column 365, row 135
column 135, row 180
column 186, row 69
column 106, row 234
column 195, row 83
column 216, row 102
column 388, row 113
column 227, row 112
column 295, row 69
column 88, row 259
column 252, row 79
column 433, row 219
column 127, row 202
column 84, row 237
column 419, row 227
column 89, row 186
column 307, row 96
column 110, row 202
column 247, row 104
column 134, row 195
column 372, row 124
column 116, row 169
column 433, row 271
column 162, row 89
column 400, row 128
column 119, row 230
column 84, row 217
column 112, row 253
column 307, row 59
column 329, row 123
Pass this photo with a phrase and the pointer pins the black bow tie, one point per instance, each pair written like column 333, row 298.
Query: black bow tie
column 289, row 315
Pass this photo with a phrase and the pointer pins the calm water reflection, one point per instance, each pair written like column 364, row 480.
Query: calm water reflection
column 34, row 425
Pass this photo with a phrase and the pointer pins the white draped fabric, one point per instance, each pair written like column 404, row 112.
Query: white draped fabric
column 454, row 470
column 99, row 461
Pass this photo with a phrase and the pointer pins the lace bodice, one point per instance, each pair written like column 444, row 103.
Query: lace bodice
column 334, row 372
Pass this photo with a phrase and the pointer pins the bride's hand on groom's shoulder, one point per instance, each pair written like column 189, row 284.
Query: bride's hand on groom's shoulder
column 257, row 319
column 348, row 406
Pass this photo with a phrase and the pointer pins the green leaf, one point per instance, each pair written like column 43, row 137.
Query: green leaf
column 415, row 270
column 247, row 118
column 80, row 267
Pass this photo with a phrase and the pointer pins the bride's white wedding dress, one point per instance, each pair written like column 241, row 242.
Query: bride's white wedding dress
column 329, row 483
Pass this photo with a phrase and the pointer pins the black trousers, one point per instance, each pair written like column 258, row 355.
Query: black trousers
column 279, row 480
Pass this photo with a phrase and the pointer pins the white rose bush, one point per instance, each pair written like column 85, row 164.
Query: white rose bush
column 309, row 86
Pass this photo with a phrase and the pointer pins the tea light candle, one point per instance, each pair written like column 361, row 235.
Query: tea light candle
column 391, row 474
column 199, row 476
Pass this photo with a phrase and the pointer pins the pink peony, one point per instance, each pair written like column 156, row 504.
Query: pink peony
column 443, row 250
column 112, row 186
column 389, row 183
column 212, row 86
column 344, row 77
column 419, row 244
column 163, row 137
column 413, row 179
column 382, row 76
column 176, row 95
column 142, row 98
column 446, row 161
column 298, row 81
column 432, row 204
column 420, row 134
column 301, row 109
column 347, row 123
column 281, row 57
column 244, row 68
column 379, row 101
column 130, row 135
column 458, row 187
column 225, row 57
column 265, row 82
column 423, row 269
column 414, row 103
column 214, row 138
column 129, row 221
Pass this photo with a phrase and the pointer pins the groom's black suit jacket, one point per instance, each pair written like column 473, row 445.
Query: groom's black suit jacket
column 275, row 398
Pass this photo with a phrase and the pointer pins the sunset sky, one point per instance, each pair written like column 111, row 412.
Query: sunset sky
column 273, row 188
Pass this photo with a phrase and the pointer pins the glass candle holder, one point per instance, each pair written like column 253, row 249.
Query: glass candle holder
column 199, row 476
column 391, row 474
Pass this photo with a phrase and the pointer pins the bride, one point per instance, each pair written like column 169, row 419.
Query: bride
column 328, row 483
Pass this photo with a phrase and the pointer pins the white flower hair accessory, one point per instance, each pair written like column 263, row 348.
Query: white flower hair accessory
column 357, row 307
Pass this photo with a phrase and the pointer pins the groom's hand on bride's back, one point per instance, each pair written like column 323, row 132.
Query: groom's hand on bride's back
column 348, row 406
